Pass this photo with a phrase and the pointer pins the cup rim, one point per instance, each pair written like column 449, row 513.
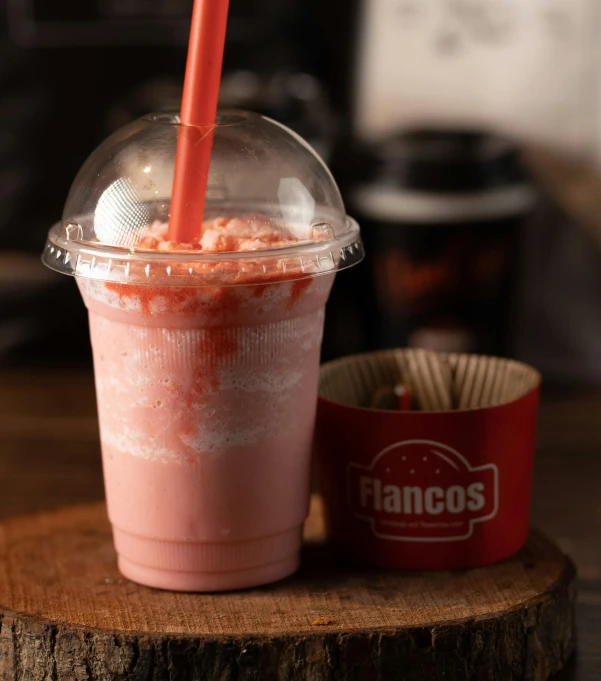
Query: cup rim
column 107, row 263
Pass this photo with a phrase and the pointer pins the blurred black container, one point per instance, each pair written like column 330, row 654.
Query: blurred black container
column 441, row 214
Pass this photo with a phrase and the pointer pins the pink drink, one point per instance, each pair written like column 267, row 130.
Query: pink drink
column 206, row 353
column 207, row 402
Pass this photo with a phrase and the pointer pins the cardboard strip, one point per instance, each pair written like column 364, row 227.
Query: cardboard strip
column 437, row 382
column 443, row 379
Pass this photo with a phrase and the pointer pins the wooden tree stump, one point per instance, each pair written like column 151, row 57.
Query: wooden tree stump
column 67, row 615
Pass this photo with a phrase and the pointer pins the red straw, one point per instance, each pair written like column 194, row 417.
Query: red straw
column 404, row 398
column 199, row 110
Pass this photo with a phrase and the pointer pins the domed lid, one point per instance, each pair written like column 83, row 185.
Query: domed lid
column 272, row 206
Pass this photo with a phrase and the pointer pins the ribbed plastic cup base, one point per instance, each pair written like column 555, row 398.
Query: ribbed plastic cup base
column 208, row 567
column 207, row 581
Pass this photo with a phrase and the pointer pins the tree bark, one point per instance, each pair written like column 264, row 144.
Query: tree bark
column 67, row 615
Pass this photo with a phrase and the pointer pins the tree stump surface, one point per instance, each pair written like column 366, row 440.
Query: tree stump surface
column 66, row 614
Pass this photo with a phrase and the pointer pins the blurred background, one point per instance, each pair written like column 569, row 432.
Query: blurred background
column 465, row 136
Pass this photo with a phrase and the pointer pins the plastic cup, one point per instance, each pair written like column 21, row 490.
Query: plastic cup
column 206, row 359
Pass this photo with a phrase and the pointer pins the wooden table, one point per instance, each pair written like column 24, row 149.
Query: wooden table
column 49, row 456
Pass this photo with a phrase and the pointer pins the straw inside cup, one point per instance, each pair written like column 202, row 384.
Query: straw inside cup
column 438, row 382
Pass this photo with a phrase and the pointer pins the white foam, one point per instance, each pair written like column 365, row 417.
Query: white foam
column 135, row 443
column 271, row 382
column 257, row 395
column 216, row 439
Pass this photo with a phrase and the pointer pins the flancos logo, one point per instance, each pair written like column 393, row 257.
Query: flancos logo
column 422, row 491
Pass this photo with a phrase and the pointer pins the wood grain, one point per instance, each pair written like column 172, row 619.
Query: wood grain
column 44, row 466
column 63, row 604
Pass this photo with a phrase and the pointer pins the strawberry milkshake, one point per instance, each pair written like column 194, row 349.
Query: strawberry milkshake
column 206, row 360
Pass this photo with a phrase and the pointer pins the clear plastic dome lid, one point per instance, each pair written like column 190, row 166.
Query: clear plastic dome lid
column 271, row 206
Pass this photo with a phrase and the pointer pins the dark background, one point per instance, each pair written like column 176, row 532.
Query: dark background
column 72, row 72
